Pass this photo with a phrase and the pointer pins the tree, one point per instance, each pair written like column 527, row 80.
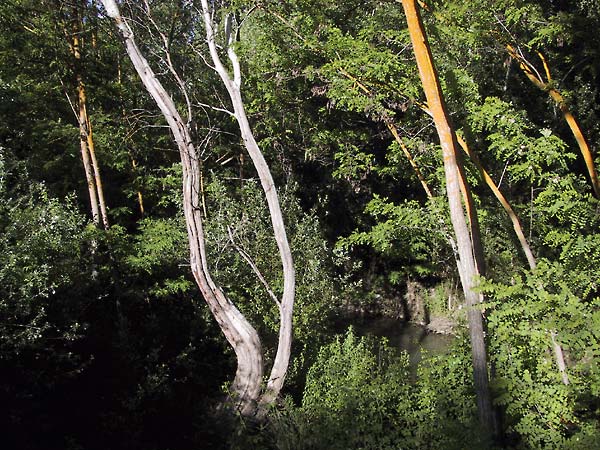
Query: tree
column 86, row 139
column 466, row 263
column 246, row 387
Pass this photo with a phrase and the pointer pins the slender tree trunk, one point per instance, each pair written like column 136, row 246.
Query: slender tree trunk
column 87, row 164
column 95, row 165
column 471, row 211
column 85, row 129
column 238, row 331
column 584, row 148
column 466, row 264
column 503, row 201
column 233, row 86
column 86, row 140
column 546, row 86
column 140, row 196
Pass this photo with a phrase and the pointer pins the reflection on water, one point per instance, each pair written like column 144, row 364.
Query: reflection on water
column 401, row 335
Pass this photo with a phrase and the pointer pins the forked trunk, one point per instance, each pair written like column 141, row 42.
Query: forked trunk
column 246, row 387
column 89, row 171
column 86, row 140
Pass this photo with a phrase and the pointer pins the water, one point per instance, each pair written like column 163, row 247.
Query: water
column 410, row 337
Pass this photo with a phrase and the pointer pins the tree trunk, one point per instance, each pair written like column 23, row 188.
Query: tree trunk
column 246, row 387
column 96, row 167
column 233, row 86
column 503, row 201
column 87, row 164
column 86, row 140
column 559, row 358
column 140, row 196
column 466, row 264
column 546, row 86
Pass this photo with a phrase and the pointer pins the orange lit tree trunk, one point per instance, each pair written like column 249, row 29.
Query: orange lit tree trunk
column 86, row 140
column 466, row 264
column 503, row 201
column 547, row 86
column 538, row 81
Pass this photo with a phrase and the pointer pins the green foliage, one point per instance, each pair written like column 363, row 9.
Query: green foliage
column 238, row 223
column 521, row 317
column 531, row 154
column 43, row 250
column 360, row 394
column 160, row 251
column 79, row 305
column 403, row 232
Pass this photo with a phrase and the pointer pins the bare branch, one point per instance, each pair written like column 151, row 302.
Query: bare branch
column 254, row 267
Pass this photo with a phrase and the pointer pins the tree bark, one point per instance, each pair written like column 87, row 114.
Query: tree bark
column 245, row 389
column 584, row 148
column 233, row 86
column 87, row 164
column 95, row 165
column 86, row 140
column 503, row 201
column 559, row 358
column 546, row 86
column 466, row 264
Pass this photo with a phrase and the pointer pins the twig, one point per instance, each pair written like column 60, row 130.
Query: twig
column 248, row 259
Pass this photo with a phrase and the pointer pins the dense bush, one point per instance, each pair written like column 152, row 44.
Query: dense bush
column 361, row 394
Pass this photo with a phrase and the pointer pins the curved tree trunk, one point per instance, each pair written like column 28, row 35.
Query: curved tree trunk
column 466, row 265
column 238, row 331
column 547, row 86
column 233, row 86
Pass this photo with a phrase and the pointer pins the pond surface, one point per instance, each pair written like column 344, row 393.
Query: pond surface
column 401, row 335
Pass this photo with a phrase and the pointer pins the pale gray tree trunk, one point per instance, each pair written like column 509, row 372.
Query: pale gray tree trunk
column 238, row 331
column 244, row 339
column 233, row 86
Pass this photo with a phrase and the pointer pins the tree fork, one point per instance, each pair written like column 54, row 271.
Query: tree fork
column 88, row 152
column 240, row 334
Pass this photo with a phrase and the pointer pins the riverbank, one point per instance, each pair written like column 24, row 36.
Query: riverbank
column 413, row 338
